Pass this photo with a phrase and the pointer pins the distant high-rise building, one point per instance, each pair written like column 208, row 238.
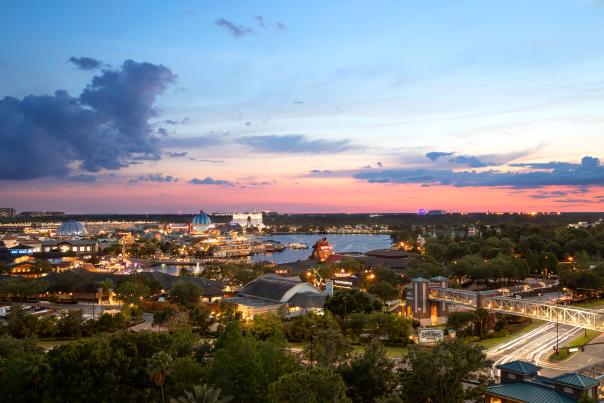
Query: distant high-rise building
column 248, row 220
column 7, row 212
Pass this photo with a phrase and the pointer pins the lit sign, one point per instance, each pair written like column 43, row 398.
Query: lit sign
column 421, row 211
column 432, row 335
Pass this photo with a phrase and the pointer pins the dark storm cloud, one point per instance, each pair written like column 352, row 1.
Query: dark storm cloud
column 153, row 178
column 434, row 155
column 294, row 144
column 471, row 161
column 85, row 63
column 210, row 181
column 588, row 172
column 106, row 127
column 236, row 30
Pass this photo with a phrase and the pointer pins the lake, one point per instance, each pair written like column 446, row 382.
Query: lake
column 340, row 243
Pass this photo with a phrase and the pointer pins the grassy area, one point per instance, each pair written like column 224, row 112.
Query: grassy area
column 49, row 344
column 391, row 351
column 579, row 341
column 495, row 341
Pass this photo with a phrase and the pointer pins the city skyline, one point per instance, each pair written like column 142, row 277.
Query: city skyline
column 340, row 107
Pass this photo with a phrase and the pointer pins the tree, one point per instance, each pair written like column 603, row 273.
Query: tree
column 240, row 357
column 266, row 325
column 460, row 320
column 310, row 385
column 438, row 375
column 370, row 375
column 202, row 394
column 70, row 325
column 159, row 367
column 344, row 302
column 305, row 326
column 328, row 347
column 185, row 293
column 132, row 292
column 384, row 290
column 20, row 324
column 23, row 368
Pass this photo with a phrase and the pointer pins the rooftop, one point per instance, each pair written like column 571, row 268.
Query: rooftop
column 529, row 393
column 576, row 380
column 519, row 367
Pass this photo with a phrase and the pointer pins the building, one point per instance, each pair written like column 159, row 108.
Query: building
column 417, row 301
column 71, row 228
column 521, row 382
column 77, row 246
column 248, row 220
column 200, row 224
column 7, row 212
column 272, row 293
column 321, row 250
column 42, row 214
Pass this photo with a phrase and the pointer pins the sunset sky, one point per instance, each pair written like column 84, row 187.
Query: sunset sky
column 301, row 106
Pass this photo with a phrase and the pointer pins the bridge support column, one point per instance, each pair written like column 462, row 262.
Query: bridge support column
column 492, row 321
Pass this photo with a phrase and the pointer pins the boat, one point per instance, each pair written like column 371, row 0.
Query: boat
column 297, row 245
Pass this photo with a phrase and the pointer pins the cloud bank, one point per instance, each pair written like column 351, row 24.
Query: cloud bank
column 106, row 127
column 588, row 172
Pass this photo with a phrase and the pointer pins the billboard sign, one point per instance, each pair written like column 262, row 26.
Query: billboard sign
column 430, row 335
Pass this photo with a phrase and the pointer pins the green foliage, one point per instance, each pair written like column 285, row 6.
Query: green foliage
column 202, row 394
column 160, row 365
column 20, row 324
column 23, row 369
column 437, row 375
column 310, row 385
column 300, row 329
column 240, row 357
column 266, row 325
column 370, row 375
column 384, row 290
column 132, row 291
column 186, row 374
column 185, row 293
column 389, row 328
column 345, row 302
column 327, row 347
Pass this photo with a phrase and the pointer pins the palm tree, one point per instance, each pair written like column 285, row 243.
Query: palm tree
column 202, row 394
column 159, row 367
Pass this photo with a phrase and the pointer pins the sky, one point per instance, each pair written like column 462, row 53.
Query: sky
column 314, row 106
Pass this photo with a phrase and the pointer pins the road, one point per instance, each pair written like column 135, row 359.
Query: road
column 537, row 345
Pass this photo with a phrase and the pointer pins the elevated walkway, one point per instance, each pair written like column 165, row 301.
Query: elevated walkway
column 562, row 314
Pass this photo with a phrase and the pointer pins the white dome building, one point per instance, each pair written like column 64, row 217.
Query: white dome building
column 72, row 228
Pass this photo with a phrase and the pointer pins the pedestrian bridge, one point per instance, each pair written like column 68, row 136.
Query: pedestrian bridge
column 585, row 318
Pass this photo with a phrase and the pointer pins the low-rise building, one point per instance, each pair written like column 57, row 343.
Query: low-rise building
column 521, row 382
column 77, row 246
column 272, row 293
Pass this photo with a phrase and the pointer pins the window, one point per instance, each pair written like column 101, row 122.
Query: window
column 511, row 376
column 568, row 390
